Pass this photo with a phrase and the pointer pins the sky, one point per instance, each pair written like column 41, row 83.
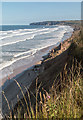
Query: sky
column 20, row 13
column 41, row 0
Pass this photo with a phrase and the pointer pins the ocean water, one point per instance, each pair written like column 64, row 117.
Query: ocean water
column 20, row 44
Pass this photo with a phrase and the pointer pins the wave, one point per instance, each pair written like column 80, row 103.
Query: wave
column 24, row 53
column 8, row 63
column 17, row 41
column 32, row 35
column 23, row 32
column 20, row 32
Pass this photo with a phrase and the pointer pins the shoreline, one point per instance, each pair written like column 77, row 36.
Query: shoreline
column 38, row 58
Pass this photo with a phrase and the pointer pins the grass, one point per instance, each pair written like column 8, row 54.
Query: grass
column 63, row 101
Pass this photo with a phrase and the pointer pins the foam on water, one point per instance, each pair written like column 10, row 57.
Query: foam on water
column 21, row 36
column 4, row 44
column 18, row 45
column 19, row 33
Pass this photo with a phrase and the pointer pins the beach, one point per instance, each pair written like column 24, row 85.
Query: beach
column 26, row 52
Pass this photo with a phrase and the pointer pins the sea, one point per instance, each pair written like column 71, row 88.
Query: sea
column 21, row 45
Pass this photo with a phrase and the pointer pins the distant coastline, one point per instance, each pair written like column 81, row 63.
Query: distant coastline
column 67, row 22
